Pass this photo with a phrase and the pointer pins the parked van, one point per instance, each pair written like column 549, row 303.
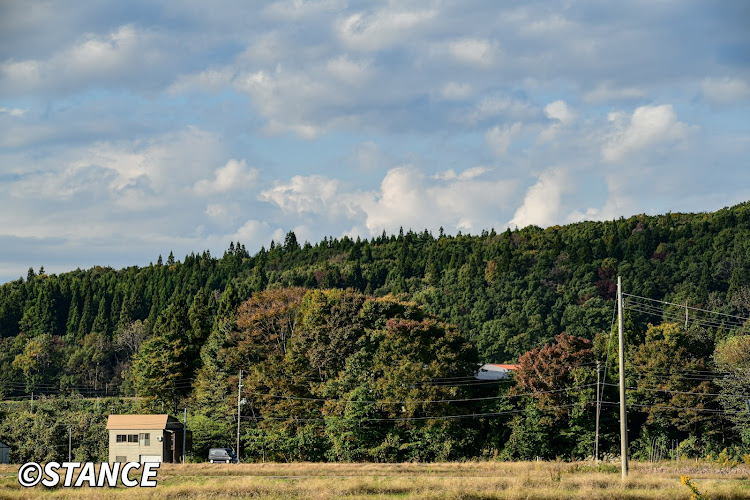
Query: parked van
column 222, row 455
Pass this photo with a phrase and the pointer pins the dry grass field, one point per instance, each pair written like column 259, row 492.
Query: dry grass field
column 470, row 480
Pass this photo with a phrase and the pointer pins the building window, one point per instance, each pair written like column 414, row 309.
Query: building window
column 121, row 458
column 144, row 439
column 127, row 438
column 132, row 438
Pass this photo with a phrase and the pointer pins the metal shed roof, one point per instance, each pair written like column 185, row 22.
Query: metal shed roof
column 138, row 421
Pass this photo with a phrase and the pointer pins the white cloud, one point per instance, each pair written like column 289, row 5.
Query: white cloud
column 608, row 91
column 210, row 80
column 551, row 25
column 216, row 210
column 407, row 198
column 560, row 111
column 119, row 56
column 542, row 203
column 349, row 71
column 725, row 90
column 368, row 156
column 474, row 52
column 382, row 29
column 235, row 175
column 561, row 116
column 468, row 174
column 253, row 232
column 648, row 126
column 500, row 138
column 293, row 10
column 503, row 106
column 15, row 112
column 303, row 194
column 454, row 91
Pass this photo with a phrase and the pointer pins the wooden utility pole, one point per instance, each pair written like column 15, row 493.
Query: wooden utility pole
column 184, row 436
column 623, row 407
column 598, row 410
column 239, row 395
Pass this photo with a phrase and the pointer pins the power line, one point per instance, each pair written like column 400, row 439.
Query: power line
column 397, row 419
column 301, row 398
column 655, row 311
column 688, row 307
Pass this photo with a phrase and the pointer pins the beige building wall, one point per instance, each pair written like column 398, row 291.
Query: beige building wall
column 133, row 451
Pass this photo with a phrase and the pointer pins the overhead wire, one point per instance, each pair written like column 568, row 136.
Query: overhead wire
column 686, row 306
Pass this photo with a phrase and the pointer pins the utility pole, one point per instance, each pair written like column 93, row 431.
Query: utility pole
column 686, row 314
column 70, row 444
column 32, row 401
column 623, row 407
column 598, row 409
column 184, row 436
column 239, row 395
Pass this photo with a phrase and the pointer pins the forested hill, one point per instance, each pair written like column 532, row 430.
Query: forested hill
column 507, row 292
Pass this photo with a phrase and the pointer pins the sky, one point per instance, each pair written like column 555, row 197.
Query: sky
column 132, row 129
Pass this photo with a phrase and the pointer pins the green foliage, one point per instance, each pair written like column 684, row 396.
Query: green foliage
column 174, row 332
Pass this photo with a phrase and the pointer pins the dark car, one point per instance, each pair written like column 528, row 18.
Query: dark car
column 222, row 455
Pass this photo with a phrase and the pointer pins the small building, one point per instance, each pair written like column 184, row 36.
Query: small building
column 145, row 438
column 494, row 371
column 4, row 453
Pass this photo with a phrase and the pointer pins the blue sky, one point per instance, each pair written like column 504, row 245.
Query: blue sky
column 129, row 129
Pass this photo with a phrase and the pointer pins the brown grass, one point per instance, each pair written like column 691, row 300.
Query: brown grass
column 470, row 480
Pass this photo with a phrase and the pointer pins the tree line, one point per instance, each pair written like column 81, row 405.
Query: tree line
column 366, row 349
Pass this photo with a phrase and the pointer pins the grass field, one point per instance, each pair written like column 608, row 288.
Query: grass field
column 470, row 480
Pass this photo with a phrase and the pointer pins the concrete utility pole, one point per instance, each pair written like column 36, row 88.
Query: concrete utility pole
column 70, row 444
column 239, row 395
column 623, row 407
column 686, row 315
column 598, row 409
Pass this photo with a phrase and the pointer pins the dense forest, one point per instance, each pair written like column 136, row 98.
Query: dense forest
column 358, row 349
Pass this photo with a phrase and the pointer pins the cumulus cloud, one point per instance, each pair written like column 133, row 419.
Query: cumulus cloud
column 468, row 174
column 506, row 107
column 293, row 10
column 368, row 156
column 407, row 197
column 500, row 138
column 560, row 111
column 474, row 52
column 115, row 58
column 648, row 126
column 542, row 203
column 454, row 91
column 349, row 71
column 15, row 112
column 725, row 90
column 123, row 180
column 235, row 175
column 608, row 91
column 210, row 80
column 304, row 194
column 561, row 116
column 388, row 27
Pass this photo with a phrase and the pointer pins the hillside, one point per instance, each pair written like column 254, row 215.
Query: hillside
column 506, row 292
column 356, row 350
